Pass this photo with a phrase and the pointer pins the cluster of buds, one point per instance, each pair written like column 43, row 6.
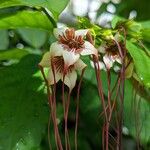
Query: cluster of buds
column 63, row 59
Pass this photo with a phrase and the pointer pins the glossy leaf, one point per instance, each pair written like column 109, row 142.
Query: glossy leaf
column 146, row 30
column 24, row 111
column 146, row 34
column 55, row 6
column 145, row 24
column 25, row 19
column 116, row 20
column 13, row 54
column 33, row 37
column 136, row 115
column 4, row 39
column 141, row 61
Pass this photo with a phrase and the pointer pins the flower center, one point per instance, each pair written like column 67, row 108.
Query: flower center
column 112, row 50
column 59, row 65
column 71, row 42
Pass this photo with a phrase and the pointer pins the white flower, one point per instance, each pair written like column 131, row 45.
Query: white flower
column 71, row 44
column 69, row 74
column 110, row 55
column 101, row 65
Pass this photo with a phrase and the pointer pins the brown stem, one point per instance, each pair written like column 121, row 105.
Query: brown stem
column 77, row 110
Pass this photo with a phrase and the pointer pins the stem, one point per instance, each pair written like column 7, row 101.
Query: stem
column 49, row 121
column 50, row 101
column 122, row 76
column 109, row 90
column 100, row 90
column 54, row 111
column 49, row 17
column 77, row 109
column 66, row 122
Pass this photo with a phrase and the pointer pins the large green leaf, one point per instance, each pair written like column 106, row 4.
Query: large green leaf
column 141, row 62
column 33, row 37
column 24, row 111
column 136, row 116
column 141, row 7
column 25, row 19
column 55, row 6
column 4, row 40
column 146, row 34
column 116, row 20
column 146, row 30
column 13, row 54
column 145, row 24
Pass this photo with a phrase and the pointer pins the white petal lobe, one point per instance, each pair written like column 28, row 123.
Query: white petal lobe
column 50, row 77
column 81, row 32
column 108, row 61
column 70, row 57
column 56, row 49
column 89, row 49
column 70, row 79
column 45, row 62
column 79, row 65
column 59, row 31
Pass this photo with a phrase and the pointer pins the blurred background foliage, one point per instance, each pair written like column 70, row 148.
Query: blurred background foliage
column 25, row 34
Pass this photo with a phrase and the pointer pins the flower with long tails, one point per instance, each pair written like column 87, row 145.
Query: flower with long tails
column 57, row 71
column 68, row 76
column 71, row 44
column 110, row 55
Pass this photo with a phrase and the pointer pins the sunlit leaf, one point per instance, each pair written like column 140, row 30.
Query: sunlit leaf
column 55, row 6
column 25, row 19
column 33, row 37
column 13, row 54
column 116, row 20
column 146, row 30
column 141, row 61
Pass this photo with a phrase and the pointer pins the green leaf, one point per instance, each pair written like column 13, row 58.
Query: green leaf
column 4, row 39
column 90, row 104
column 55, row 6
column 25, row 19
column 141, row 7
column 13, row 54
column 33, row 37
column 146, row 30
column 116, row 20
column 24, row 111
column 145, row 24
column 141, row 62
column 146, row 34
column 139, row 117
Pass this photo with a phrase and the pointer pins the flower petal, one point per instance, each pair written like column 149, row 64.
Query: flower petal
column 81, row 32
column 50, row 77
column 117, row 68
column 59, row 31
column 45, row 62
column 79, row 65
column 101, row 65
column 70, row 79
column 89, row 49
column 117, row 37
column 119, row 60
column 70, row 57
column 56, row 49
column 108, row 61
column 101, row 49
